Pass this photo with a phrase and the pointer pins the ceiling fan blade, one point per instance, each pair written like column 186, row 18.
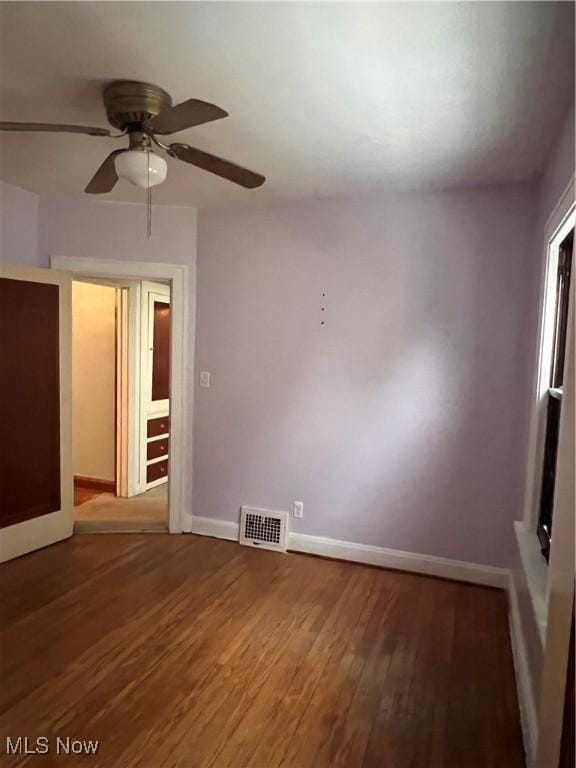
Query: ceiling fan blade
column 216, row 165
column 186, row 115
column 105, row 177
column 54, row 128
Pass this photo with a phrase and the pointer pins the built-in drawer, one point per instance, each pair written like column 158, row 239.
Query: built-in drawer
column 156, row 471
column 157, row 448
column 158, row 426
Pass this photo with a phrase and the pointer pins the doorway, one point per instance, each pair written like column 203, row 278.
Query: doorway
column 180, row 281
column 121, row 404
column 41, row 333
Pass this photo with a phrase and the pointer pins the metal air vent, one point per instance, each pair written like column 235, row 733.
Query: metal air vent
column 263, row 528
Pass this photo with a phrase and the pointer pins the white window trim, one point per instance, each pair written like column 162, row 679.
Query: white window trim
column 559, row 223
column 536, row 573
column 183, row 323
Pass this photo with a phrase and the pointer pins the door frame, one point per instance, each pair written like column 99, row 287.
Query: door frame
column 150, row 289
column 29, row 535
column 127, row 399
column 124, row 378
column 147, row 409
column 183, row 323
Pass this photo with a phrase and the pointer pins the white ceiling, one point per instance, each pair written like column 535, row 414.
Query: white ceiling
column 325, row 99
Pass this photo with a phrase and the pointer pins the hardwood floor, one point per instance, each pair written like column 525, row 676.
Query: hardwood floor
column 183, row 651
column 82, row 495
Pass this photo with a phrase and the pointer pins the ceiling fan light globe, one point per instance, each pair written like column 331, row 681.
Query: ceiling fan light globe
column 141, row 168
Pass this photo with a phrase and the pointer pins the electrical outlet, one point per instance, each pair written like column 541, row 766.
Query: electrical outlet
column 298, row 509
column 205, row 379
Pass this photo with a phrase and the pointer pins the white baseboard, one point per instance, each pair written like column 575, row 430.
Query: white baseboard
column 526, row 702
column 486, row 575
column 402, row 561
column 220, row 529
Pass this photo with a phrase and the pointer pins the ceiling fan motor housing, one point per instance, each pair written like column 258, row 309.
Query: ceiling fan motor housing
column 129, row 104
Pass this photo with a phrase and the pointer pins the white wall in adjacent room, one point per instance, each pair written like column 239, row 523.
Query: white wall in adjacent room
column 93, row 373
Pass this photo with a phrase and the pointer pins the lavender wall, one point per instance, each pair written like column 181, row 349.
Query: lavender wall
column 19, row 224
column 84, row 227
column 401, row 421
column 557, row 174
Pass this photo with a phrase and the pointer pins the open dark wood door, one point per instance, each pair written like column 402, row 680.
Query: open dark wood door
column 36, row 493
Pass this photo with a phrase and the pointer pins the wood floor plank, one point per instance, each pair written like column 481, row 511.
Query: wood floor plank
column 238, row 747
column 42, row 656
column 390, row 737
column 348, row 740
column 211, row 676
column 188, row 652
column 338, row 679
column 40, row 583
column 242, row 673
column 118, row 661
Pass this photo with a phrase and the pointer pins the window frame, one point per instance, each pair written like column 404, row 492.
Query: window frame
column 559, row 313
column 536, row 572
column 559, row 224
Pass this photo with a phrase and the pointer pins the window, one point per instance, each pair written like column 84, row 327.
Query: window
column 554, row 394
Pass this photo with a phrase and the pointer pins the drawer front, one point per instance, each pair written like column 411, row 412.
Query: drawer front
column 159, row 426
column 156, row 471
column 157, row 448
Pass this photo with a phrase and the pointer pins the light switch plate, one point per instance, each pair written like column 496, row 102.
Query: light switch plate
column 205, row 379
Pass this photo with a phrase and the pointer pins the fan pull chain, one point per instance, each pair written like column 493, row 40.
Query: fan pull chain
column 148, row 202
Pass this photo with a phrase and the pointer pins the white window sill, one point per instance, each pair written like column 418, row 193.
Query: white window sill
column 536, row 572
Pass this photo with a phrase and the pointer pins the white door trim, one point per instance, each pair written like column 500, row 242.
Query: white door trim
column 149, row 409
column 134, row 373
column 150, row 293
column 183, row 324
column 122, row 393
column 129, row 484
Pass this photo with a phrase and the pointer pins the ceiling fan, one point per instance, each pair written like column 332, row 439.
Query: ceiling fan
column 144, row 112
